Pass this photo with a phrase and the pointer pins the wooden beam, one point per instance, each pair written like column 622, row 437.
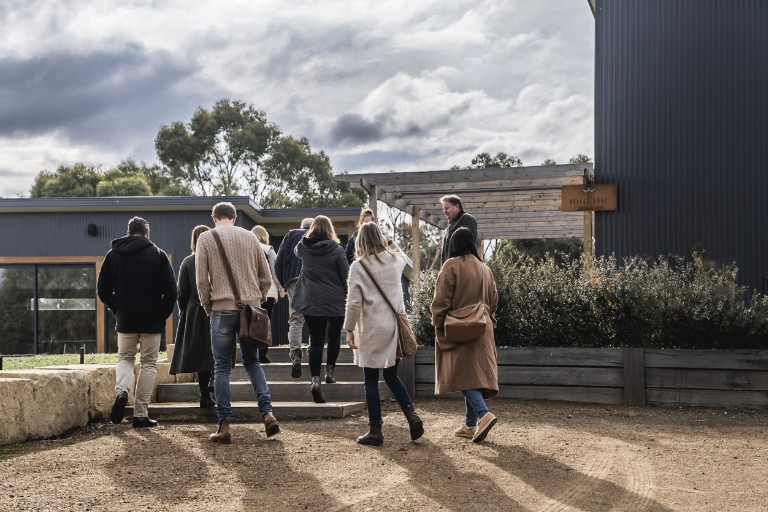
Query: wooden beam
column 415, row 250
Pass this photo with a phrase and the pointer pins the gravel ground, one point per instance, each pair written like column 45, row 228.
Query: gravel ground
column 540, row 456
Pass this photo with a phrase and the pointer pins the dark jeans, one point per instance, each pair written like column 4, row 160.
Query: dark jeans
column 372, row 398
column 267, row 305
column 318, row 327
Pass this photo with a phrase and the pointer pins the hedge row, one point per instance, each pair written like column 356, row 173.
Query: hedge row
column 668, row 303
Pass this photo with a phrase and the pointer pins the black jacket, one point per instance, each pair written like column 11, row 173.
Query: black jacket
column 322, row 286
column 136, row 282
column 287, row 264
column 462, row 220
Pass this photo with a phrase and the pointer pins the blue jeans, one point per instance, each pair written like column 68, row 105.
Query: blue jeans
column 372, row 398
column 224, row 327
column 476, row 408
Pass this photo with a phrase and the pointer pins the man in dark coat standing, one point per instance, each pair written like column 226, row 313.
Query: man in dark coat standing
column 457, row 218
column 288, row 268
column 136, row 282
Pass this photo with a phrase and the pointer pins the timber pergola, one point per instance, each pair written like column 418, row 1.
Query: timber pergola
column 509, row 203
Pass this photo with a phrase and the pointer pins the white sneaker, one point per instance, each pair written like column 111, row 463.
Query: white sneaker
column 465, row 432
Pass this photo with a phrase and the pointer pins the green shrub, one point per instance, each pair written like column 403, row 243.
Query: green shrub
column 668, row 303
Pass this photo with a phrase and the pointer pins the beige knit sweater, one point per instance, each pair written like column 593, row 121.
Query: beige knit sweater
column 248, row 263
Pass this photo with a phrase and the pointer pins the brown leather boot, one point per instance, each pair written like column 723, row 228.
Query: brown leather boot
column 222, row 435
column 270, row 424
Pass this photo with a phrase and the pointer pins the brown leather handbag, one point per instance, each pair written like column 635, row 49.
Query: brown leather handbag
column 406, row 341
column 467, row 323
column 255, row 326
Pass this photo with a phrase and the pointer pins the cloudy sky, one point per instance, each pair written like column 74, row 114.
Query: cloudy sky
column 379, row 86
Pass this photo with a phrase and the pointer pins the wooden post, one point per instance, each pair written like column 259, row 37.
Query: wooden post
column 373, row 198
column 415, row 250
column 634, row 376
column 588, row 229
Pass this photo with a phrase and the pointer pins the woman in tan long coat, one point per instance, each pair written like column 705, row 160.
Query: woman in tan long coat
column 469, row 366
column 369, row 315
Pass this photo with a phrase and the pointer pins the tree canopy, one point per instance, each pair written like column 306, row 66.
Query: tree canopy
column 233, row 149
column 488, row 161
column 126, row 179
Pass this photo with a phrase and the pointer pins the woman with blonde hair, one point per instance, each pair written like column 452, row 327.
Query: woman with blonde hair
column 376, row 271
column 192, row 348
column 320, row 296
column 466, row 366
column 275, row 291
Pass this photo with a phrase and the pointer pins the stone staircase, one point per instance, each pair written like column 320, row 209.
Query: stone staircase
column 290, row 397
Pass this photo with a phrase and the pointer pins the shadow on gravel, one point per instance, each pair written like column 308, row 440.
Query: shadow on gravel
column 70, row 438
column 265, row 480
column 152, row 465
column 566, row 485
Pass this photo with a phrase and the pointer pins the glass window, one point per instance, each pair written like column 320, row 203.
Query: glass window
column 17, row 317
column 66, row 304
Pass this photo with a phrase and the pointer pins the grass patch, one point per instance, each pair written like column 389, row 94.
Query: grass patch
column 26, row 363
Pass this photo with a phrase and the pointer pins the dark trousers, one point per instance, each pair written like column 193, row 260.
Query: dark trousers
column 319, row 327
column 372, row 398
column 267, row 305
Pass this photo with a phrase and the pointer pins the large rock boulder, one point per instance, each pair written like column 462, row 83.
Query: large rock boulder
column 16, row 396
column 101, row 387
column 59, row 400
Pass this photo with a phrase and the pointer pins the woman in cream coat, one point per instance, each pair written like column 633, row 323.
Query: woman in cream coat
column 470, row 366
column 369, row 315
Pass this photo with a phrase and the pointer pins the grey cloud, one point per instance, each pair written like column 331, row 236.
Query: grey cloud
column 97, row 97
column 386, row 159
column 354, row 128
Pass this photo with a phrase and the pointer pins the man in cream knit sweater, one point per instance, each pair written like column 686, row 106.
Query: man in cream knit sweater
column 252, row 275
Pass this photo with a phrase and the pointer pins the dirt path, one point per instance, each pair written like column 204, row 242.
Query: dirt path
column 541, row 456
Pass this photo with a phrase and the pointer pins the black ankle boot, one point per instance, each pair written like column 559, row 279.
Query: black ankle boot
column 329, row 368
column 414, row 422
column 373, row 437
column 317, row 393
column 206, row 402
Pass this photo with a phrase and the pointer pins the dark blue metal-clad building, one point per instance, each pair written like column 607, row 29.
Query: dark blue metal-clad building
column 681, row 125
column 51, row 250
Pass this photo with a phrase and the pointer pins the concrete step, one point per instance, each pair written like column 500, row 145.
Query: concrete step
column 281, row 354
column 249, row 411
column 281, row 391
column 282, row 372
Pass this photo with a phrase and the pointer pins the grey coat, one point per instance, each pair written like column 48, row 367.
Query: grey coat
column 322, row 286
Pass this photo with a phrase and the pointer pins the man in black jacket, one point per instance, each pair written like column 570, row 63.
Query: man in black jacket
column 457, row 218
column 136, row 282
column 288, row 268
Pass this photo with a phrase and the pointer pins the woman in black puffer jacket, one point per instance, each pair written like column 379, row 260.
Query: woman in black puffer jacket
column 320, row 296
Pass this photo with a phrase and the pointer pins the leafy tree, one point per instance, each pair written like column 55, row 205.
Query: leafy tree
column 78, row 180
column 221, row 150
column 486, row 161
column 132, row 185
column 296, row 176
column 158, row 179
column 580, row 159
column 548, row 161
column 233, row 149
column 126, row 179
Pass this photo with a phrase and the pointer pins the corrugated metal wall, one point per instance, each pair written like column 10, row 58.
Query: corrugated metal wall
column 681, row 125
column 36, row 234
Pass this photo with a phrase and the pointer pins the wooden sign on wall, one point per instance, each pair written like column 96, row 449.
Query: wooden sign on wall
column 595, row 197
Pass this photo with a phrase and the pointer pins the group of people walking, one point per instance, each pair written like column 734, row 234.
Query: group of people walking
column 330, row 288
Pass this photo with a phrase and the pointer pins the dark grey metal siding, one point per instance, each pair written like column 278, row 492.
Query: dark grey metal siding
column 681, row 125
